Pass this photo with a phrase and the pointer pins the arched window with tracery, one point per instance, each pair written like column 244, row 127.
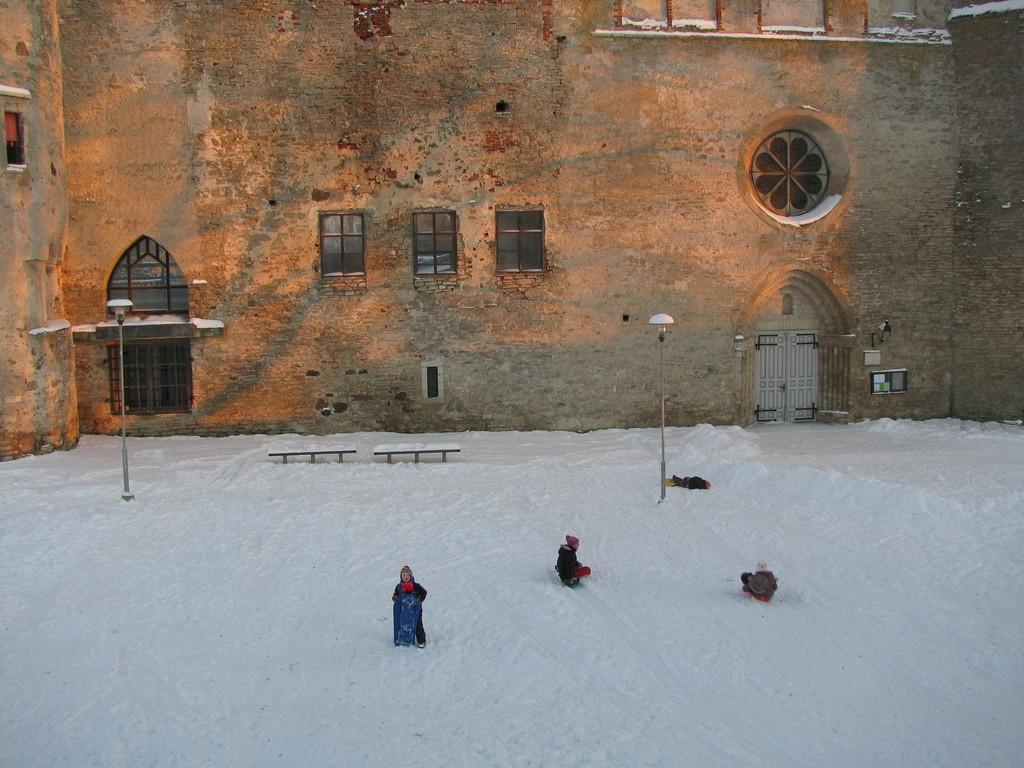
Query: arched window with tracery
column 148, row 276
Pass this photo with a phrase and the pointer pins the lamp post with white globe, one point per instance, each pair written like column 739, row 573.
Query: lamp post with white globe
column 119, row 307
column 662, row 322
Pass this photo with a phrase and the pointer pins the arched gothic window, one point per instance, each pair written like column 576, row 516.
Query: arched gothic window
column 148, row 276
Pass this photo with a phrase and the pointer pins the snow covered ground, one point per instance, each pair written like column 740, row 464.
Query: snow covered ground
column 238, row 612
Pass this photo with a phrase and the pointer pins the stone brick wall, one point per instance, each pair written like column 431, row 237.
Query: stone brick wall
column 224, row 130
column 38, row 410
column 988, row 322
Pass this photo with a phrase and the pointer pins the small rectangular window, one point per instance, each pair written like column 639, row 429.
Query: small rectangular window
column 15, row 138
column 520, row 241
column 904, row 8
column 342, row 244
column 433, row 242
column 888, row 382
column 433, row 382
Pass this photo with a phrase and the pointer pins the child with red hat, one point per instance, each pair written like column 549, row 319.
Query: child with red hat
column 569, row 569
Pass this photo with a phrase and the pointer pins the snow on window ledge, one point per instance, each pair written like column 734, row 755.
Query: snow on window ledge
column 824, row 209
column 199, row 323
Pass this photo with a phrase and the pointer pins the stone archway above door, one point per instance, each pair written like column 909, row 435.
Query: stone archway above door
column 798, row 306
column 795, row 299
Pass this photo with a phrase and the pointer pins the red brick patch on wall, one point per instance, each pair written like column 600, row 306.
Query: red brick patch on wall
column 372, row 19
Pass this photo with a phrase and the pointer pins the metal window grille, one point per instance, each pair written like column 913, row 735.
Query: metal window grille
column 148, row 276
column 520, row 241
column 433, row 236
column 157, row 377
column 342, row 244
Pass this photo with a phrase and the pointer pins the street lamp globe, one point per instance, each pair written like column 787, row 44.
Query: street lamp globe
column 661, row 320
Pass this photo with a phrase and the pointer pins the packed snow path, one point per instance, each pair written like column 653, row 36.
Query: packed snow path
column 238, row 612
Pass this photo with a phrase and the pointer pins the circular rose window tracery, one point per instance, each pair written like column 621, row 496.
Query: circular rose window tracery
column 789, row 173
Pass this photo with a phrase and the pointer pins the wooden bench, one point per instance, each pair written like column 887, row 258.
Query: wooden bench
column 416, row 450
column 339, row 452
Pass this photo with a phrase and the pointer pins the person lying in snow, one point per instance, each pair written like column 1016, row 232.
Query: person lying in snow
column 406, row 585
column 760, row 585
column 694, row 483
column 569, row 569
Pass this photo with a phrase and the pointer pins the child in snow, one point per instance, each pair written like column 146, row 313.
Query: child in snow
column 694, row 483
column 760, row 585
column 408, row 584
column 569, row 569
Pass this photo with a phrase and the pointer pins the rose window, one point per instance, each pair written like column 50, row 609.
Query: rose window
column 789, row 173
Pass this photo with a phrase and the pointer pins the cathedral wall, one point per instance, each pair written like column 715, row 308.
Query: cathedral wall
column 225, row 130
column 988, row 322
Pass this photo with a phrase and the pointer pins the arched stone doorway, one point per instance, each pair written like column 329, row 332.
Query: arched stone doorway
column 796, row 350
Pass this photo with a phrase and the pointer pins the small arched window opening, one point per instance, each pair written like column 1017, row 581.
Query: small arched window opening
column 787, row 303
column 148, row 276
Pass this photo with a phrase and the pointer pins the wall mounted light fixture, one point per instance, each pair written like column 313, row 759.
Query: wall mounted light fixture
column 884, row 332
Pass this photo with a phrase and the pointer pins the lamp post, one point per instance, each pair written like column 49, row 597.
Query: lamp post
column 662, row 322
column 119, row 307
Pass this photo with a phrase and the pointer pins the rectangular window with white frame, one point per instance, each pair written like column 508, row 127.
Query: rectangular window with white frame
column 888, row 382
column 14, row 134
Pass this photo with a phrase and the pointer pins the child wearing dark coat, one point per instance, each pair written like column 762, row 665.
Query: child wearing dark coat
column 569, row 569
column 760, row 585
column 408, row 584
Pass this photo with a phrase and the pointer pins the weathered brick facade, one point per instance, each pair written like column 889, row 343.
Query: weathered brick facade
column 223, row 131
column 988, row 317
column 38, row 407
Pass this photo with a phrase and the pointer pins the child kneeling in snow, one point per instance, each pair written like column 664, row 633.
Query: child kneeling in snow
column 569, row 569
column 408, row 584
column 760, row 585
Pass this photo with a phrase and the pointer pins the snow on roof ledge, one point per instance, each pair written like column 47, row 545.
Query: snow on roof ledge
column 51, row 327
column 18, row 93
column 977, row 10
column 199, row 322
column 902, row 37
